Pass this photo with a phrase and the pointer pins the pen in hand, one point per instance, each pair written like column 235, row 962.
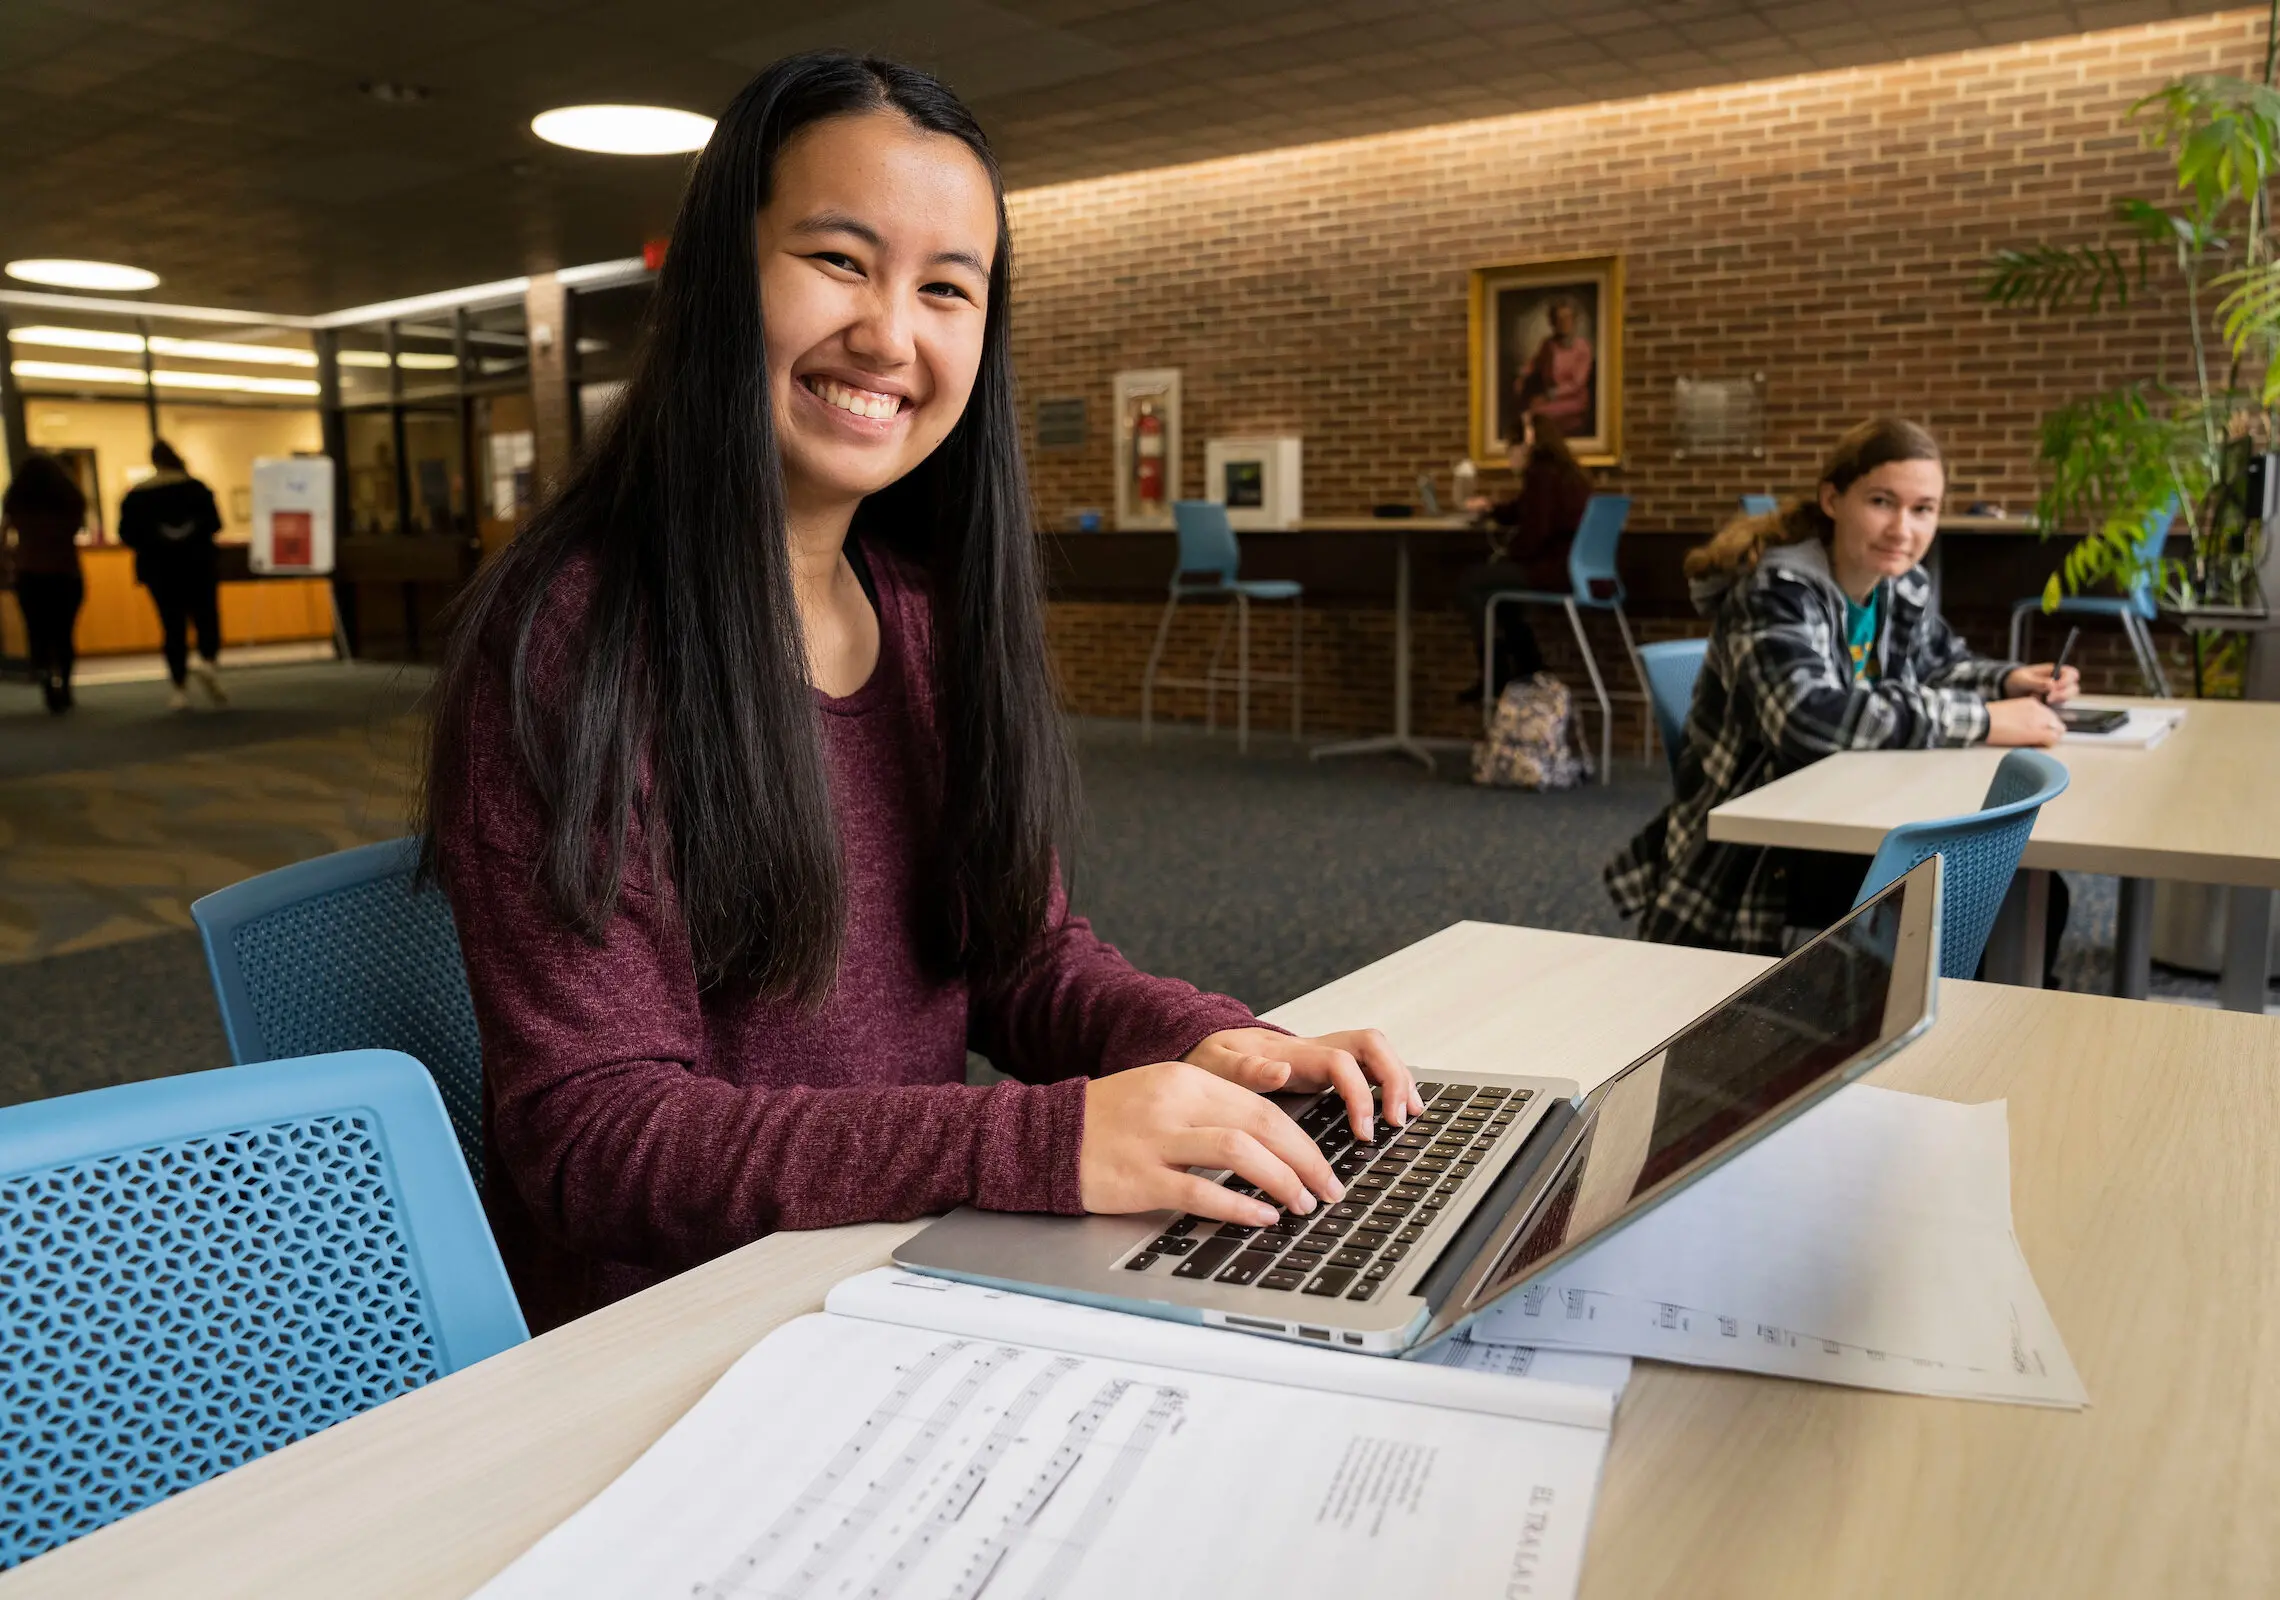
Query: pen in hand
column 2059, row 666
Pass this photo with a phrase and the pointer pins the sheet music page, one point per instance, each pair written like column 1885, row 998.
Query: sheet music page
column 843, row 1457
column 1867, row 1243
column 1580, row 1396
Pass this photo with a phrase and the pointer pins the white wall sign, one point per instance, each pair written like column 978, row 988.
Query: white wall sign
column 292, row 516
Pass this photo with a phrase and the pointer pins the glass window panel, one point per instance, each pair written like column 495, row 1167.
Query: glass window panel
column 427, row 351
column 363, row 366
column 498, row 345
column 370, row 437
column 435, row 471
column 608, row 323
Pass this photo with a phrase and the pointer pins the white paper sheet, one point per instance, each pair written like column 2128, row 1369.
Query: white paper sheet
column 1867, row 1243
column 843, row 1457
column 1583, row 1396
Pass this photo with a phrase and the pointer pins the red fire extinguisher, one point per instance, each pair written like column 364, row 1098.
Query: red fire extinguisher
column 1148, row 457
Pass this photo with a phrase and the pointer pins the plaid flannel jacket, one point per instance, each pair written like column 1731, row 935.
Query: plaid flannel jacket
column 1776, row 693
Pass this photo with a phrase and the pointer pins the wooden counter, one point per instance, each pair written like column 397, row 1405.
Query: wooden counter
column 118, row 617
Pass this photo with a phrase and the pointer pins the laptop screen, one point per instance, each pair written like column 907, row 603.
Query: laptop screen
column 1733, row 1073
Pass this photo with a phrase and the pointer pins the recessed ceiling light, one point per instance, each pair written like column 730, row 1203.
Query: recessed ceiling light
column 61, row 274
column 624, row 130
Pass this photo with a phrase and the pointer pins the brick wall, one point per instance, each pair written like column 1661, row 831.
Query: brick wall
column 1825, row 230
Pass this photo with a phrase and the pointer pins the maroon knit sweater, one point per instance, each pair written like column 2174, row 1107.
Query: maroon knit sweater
column 635, row 1126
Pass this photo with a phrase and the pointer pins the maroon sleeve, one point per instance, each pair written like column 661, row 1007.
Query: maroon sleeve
column 621, row 1144
column 1080, row 1009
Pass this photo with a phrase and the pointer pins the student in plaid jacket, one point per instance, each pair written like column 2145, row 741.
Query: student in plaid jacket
column 1821, row 640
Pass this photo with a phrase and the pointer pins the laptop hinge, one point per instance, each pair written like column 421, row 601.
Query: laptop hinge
column 1500, row 1208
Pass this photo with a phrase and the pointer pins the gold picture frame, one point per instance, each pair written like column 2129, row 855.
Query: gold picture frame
column 1510, row 343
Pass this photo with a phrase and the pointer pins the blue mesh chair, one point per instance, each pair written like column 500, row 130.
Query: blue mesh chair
column 1592, row 586
column 347, row 952
column 1981, row 850
column 1205, row 569
column 196, row 1271
column 1759, row 505
column 1671, row 668
column 2132, row 610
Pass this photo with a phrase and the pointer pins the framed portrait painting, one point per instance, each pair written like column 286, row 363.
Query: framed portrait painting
column 1547, row 343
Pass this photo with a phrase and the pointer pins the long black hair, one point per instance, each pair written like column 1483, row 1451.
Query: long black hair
column 685, row 695
column 43, row 487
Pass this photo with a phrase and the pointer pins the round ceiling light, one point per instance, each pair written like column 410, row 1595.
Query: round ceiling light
column 107, row 275
column 623, row 130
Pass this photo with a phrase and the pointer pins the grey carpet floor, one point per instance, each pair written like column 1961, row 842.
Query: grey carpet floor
column 1262, row 877
column 118, row 723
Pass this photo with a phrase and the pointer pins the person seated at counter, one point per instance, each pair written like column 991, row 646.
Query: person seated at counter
column 1529, row 534
column 748, row 767
column 1821, row 640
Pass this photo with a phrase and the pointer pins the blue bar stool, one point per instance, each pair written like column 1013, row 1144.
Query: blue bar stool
column 2132, row 610
column 1981, row 850
column 1671, row 668
column 348, row 952
column 196, row 1271
column 1205, row 569
column 1594, row 586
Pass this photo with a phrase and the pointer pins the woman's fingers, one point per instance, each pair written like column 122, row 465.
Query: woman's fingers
column 1396, row 1085
column 1324, row 1065
column 1184, row 1191
column 1239, row 1152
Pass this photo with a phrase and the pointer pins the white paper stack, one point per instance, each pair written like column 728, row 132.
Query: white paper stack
column 1867, row 1243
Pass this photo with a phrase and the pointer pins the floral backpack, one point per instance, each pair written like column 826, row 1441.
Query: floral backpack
column 1531, row 740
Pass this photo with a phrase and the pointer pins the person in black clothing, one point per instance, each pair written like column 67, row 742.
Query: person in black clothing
column 169, row 522
column 40, row 518
column 1528, row 536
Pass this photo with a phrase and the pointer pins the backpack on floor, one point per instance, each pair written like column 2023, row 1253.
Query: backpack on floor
column 1531, row 742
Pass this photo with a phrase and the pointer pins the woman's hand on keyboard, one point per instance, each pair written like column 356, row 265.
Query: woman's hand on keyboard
column 1266, row 1061
column 1145, row 1126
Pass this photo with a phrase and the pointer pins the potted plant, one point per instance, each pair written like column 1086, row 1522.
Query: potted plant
column 2119, row 460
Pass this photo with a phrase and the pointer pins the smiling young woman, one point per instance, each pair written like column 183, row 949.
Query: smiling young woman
column 1822, row 638
column 747, row 775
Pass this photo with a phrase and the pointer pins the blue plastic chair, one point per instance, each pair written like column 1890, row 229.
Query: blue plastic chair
column 1981, row 850
column 196, row 1271
column 1759, row 505
column 1206, row 569
column 1592, row 586
column 348, row 952
column 2132, row 610
column 1671, row 668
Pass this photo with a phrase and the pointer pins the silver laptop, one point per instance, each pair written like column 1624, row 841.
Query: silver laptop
column 1502, row 1177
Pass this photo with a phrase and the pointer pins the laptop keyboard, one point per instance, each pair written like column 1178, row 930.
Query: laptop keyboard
column 1396, row 1186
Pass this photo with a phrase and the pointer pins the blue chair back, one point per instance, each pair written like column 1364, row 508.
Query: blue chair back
column 348, row 952
column 1671, row 668
column 1759, row 505
column 1207, row 542
column 195, row 1271
column 1981, row 850
column 2142, row 594
column 1591, row 559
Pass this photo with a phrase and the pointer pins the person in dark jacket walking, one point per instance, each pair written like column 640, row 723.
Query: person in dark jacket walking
column 1822, row 639
column 169, row 522
column 40, row 518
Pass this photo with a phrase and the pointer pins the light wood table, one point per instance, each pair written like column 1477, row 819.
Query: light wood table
column 2203, row 806
column 2146, row 1186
